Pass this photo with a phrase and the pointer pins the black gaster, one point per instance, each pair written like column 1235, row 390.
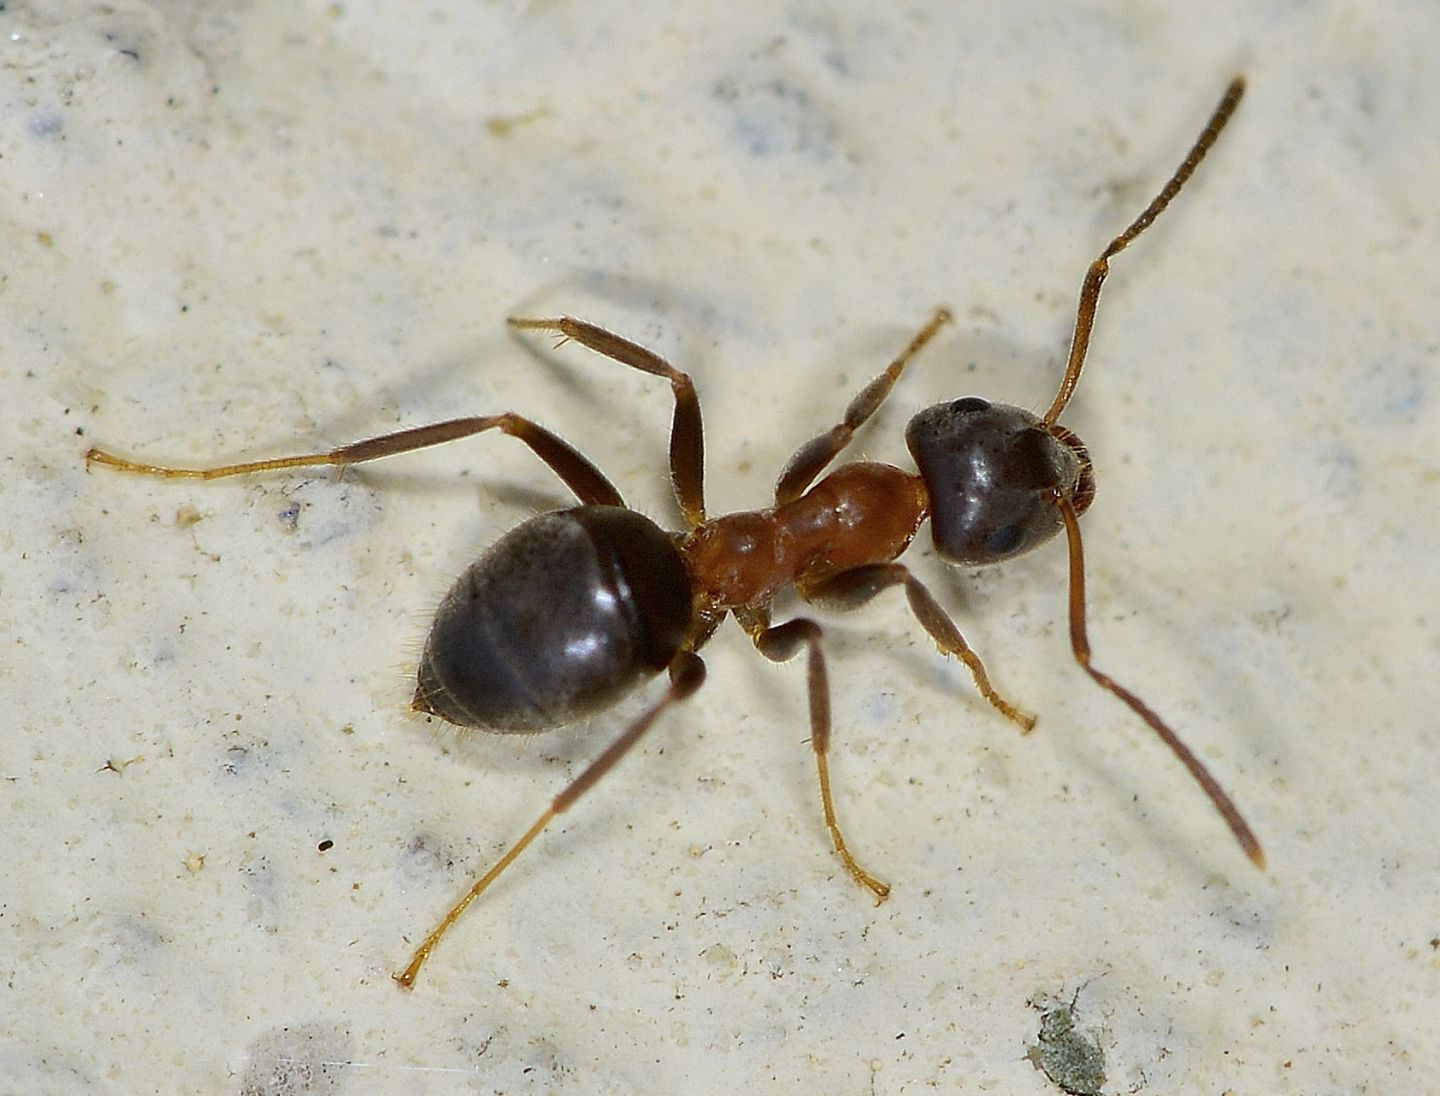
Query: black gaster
column 558, row 619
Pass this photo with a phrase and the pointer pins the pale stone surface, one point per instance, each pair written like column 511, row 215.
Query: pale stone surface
column 245, row 229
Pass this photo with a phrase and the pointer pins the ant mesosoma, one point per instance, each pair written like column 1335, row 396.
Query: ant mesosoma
column 574, row 608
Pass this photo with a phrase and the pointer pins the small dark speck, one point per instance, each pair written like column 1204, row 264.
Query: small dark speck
column 236, row 758
column 124, row 51
column 326, row 845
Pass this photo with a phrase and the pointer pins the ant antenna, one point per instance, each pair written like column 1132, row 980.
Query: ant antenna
column 1080, row 645
column 1100, row 268
column 1071, row 506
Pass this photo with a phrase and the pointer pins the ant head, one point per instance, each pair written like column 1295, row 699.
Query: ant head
column 993, row 474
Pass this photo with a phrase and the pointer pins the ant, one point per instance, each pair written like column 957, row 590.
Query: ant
column 573, row 609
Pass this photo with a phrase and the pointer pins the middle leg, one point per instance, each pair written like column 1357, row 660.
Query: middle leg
column 780, row 643
column 687, row 432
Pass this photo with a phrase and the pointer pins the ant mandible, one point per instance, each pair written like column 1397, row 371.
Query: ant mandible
column 574, row 608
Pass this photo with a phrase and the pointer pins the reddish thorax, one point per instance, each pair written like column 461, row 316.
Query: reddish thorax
column 863, row 512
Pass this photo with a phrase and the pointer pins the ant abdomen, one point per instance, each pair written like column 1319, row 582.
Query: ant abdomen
column 559, row 619
column 994, row 473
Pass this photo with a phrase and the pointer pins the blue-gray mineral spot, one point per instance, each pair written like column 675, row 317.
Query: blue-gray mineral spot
column 1070, row 1058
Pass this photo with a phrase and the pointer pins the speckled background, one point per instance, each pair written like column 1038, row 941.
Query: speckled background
column 246, row 228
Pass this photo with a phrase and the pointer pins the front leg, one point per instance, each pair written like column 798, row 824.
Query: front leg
column 815, row 455
column 853, row 588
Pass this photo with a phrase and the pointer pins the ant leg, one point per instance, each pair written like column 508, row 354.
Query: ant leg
column 812, row 457
column 1095, row 276
column 779, row 644
column 687, row 432
column 853, row 588
column 1080, row 644
column 583, row 478
column 687, row 673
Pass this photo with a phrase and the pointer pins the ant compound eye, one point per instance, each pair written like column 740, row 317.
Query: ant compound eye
column 969, row 405
column 1004, row 540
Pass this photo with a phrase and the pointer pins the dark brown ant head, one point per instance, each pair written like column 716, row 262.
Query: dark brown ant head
column 994, row 473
